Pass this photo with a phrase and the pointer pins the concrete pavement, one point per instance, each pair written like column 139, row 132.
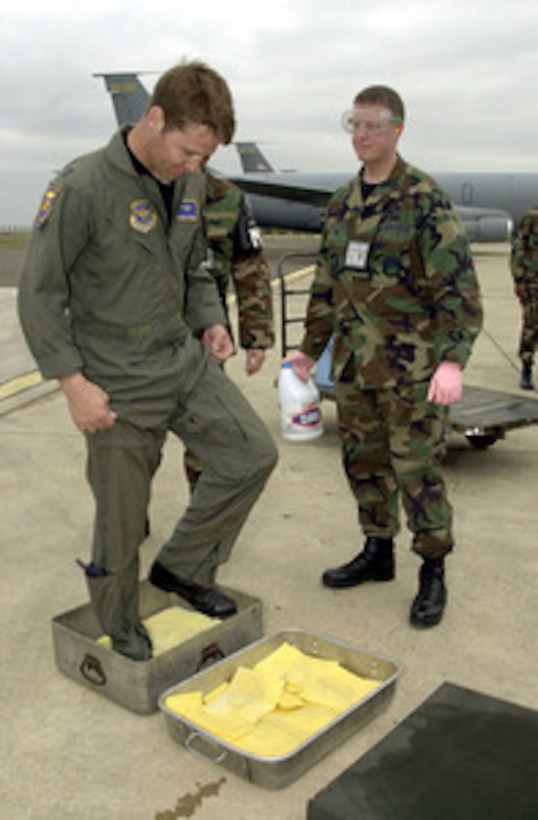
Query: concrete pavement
column 66, row 752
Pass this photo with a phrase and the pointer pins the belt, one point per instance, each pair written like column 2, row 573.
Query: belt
column 137, row 331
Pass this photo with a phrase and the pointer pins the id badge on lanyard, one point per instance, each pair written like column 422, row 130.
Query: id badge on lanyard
column 357, row 255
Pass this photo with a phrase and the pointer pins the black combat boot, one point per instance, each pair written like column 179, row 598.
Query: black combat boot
column 429, row 603
column 526, row 382
column 374, row 563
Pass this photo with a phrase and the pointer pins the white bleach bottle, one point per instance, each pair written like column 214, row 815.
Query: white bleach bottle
column 300, row 413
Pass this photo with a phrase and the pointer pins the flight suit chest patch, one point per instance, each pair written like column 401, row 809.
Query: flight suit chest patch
column 143, row 216
column 187, row 211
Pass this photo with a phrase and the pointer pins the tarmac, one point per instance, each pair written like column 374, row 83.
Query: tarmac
column 68, row 752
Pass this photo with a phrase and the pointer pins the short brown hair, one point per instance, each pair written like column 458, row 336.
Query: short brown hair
column 382, row 95
column 192, row 92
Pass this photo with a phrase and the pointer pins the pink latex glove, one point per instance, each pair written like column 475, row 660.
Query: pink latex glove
column 446, row 384
column 301, row 363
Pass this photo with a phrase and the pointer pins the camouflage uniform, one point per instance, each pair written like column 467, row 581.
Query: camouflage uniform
column 411, row 303
column 524, row 267
column 237, row 254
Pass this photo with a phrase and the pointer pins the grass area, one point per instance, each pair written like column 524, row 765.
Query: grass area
column 13, row 240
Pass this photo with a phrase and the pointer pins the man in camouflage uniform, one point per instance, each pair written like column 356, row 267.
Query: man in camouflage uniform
column 524, row 267
column 118, row 304
column 396, row 288
column 236, row 254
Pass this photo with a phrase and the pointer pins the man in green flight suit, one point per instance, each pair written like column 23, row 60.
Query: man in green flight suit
column 395, row 287
column 237, row 256
column 117, row 303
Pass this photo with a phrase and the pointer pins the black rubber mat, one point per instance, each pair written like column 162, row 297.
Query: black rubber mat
column 461, row 755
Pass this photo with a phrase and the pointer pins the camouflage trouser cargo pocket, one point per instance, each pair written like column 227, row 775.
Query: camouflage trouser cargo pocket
column 529, row 332
column 393, row 441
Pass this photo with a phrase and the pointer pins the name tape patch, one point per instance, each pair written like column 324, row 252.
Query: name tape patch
column 187, row 211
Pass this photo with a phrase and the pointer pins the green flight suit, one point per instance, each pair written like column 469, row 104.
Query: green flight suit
column 395, row 287
column 114, row 289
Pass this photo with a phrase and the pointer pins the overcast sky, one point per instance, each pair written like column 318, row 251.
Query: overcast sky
column 467, row 70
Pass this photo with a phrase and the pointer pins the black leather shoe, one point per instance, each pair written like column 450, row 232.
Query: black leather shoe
column 209, row 600
column 374, row 563
column 427, row 608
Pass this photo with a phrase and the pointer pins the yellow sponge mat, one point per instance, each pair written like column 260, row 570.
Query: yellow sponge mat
column 277, row 705
column 170, row 627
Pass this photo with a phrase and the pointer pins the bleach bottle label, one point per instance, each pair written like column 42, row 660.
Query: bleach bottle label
column 300, row 413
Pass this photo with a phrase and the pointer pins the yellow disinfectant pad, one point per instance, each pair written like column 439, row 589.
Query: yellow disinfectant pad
column 277, row 705
column 170, row 627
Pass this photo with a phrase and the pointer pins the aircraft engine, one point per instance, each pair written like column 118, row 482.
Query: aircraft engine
column 494, row 228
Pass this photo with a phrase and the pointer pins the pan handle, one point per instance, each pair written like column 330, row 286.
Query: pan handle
column 210, row 654
column 191, row 739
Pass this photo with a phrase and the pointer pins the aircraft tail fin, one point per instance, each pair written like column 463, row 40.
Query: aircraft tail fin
column 252, row 158
column 129, row 97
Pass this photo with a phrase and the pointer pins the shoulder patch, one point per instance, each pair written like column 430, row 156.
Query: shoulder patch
column 47, row 204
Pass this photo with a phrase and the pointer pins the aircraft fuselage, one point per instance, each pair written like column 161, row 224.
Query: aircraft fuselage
column 490, row 204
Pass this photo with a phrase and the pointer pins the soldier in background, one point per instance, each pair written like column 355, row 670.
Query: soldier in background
column 237, row 255
column 396, row 287
column 524, row 267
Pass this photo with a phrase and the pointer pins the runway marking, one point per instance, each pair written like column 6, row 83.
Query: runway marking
column 20, row 383
column 299, row 273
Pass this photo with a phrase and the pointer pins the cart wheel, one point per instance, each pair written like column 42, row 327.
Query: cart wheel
column 481, row 441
